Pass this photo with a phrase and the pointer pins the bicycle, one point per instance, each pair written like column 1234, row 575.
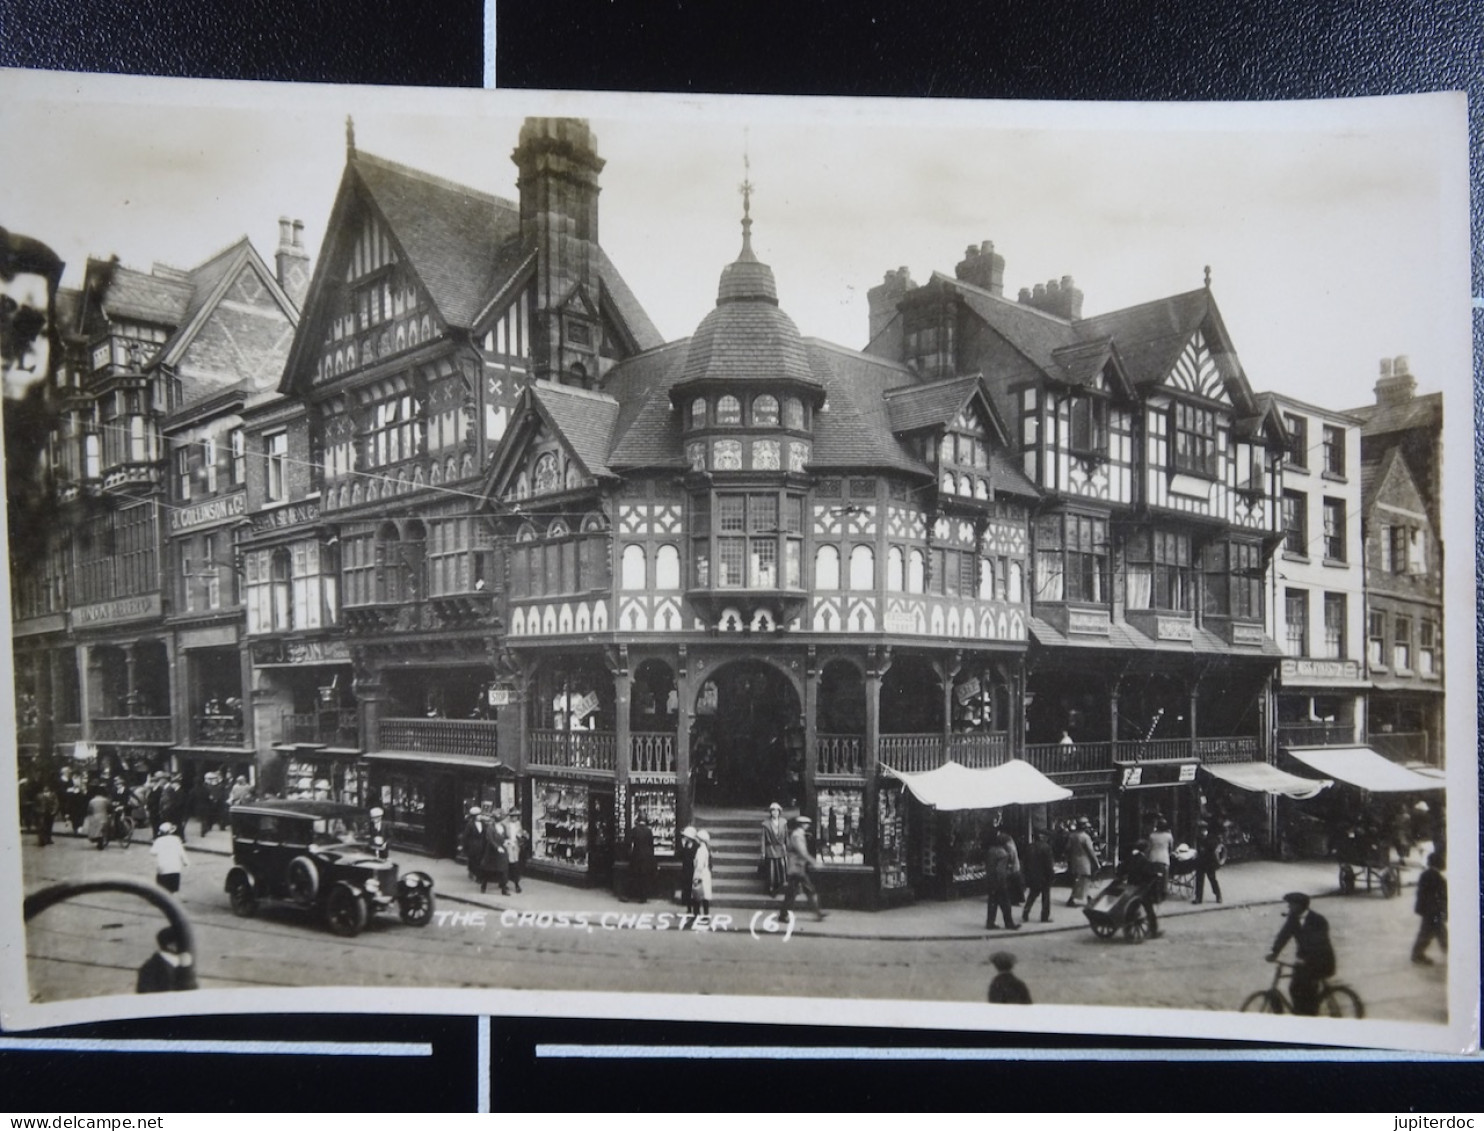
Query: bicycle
column 1335, row 998
column 117, row 826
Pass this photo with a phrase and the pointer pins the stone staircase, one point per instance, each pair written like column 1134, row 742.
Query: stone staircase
column 735, row 837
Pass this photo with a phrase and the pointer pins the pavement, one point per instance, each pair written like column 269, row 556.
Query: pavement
column 1247, row 884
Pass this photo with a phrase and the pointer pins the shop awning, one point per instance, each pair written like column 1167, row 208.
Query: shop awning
column 1362, row 766
column 952, row 786
column 1260, row 777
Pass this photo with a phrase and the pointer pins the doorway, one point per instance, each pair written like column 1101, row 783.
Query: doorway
column 747, row 741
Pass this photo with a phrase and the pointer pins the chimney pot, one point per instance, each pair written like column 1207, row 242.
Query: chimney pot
column 972, row 251
column 299, row 233
column 1025, row 295
column 1039, row 294
column 1386, row 367
column 987, row 247
column 283, row 231
column 1053, row 288
column 1402, row 366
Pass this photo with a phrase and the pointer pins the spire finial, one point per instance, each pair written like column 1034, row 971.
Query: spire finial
column 746, row 189
column 1208, row 276
column 350, row 136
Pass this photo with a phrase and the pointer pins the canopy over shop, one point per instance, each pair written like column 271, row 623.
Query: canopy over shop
column 1375, row 806
column 958, row 810
column 1361, row 766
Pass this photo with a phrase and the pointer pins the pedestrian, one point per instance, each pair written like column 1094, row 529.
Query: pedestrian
column 997, row 877
column 1137, row 870
column 515, row 842
column 199, row 805
column 173, row 804
column 1207, row 861
column 1015, row 887
column 46, row 809
column 377, row 835
column 95, row 827
column 1082, row 860
column 496, row 859
column 170, row 858
column 1432, row 909
column 775, row 849
column 1314, row 957
column 167, row 969
column 240, row 792
column 641, row 859
column 1040, row 870
column 800, row 866
column 685, row 849
column 700, row 880
column 1161, row 846
column 471, row 840
column 1005, row 988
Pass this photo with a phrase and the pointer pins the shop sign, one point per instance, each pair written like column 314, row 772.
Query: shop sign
column 212, row 510
column 300, row 652
column 966, row 690
column 580, row 706
column 295, row 514
column 1174, row 628
column 1088, row 622
column 1320, row 671
column 900, row 622
column 1151, row 775
column 221, row 637
column 119, row 609
column 1250, row 635
column 499, row 696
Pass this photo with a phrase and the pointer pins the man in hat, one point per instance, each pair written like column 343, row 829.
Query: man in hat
column 685, row 849
column 800, row 865
column 170, row 858
column 1314, row 957
column 775, row 848
column 641, row 859
column 1207, row 861
column 1005, row 988
column 377, row 837
column 1082, row 861
column 168, row 968
column 1040, row 870
column 1432, row 909
column 515, row 836
column 471, row 840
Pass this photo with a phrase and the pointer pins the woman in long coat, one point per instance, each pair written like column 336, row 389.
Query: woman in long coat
column 495, row 863
column 97, row 819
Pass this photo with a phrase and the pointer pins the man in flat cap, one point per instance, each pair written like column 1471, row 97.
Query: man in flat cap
column 1314, row 957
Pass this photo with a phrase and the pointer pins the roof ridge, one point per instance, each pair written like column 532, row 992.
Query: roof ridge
column 928, row 386
column 240, row 245
column 1013, row 304
column 861, row 355
column 387, row 164
column 542, row 384
column 1164, row 300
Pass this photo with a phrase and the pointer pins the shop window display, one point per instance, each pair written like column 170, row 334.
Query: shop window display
column 657, row 806
column 841, row 837
column 559, row 823
column 892, row 841
column 405, row 805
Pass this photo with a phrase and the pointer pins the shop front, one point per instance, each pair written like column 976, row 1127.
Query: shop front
column 426, row 796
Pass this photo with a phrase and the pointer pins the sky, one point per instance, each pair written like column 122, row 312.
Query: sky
column 1336, row 233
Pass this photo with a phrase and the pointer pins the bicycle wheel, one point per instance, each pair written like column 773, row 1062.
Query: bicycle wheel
column 1264, row 1001
column 1341, row 1001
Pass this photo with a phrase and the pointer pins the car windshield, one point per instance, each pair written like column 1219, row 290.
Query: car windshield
column 329, row 830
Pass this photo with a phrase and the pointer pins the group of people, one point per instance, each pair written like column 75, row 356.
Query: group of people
column 495, row 847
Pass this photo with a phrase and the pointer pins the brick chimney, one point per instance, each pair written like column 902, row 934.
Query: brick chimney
column 292, row 261
column 1055, row 296
column 1396, row 385
column 883, row 299
column 982, row 268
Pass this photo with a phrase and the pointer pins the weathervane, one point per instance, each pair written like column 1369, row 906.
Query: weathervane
column 746, row 190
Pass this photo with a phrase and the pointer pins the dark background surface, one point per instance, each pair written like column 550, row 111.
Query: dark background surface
column 1053, row 49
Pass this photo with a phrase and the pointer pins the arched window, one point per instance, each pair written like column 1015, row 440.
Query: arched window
column 827, row 568
column 574, row 475
column 547, row 474
column 557, row 529
column 1017, row 582
column 948, row 483
column 698, row 413
column 914, row 572
column 729, row 410
column 947, row 449
column 895, row 568
column 862, row 568
column 765, row 411
column 635, row 568
column 986, row 579
column 667, row 568
column 793, row 413
column 593, row 523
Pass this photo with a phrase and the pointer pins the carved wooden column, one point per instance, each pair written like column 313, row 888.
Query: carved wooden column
column 806, row 803
column 623, row 686
column 878, row 661
column 685, row 701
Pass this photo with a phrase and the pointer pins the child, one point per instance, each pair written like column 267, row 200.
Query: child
column 1006, row 988
column 170, row 858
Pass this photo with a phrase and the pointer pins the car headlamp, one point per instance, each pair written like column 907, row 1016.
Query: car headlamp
column 373, row 885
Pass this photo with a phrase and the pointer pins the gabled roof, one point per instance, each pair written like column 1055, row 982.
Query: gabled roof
column 645, row 434
column 630, row 313
column 456, row 239
column 142, row 296
column 929, row 406
column 1375, row 473
column 853, row 428
column 1425, row 411
column 582, row 420
column 1152, row 335
column 210, row 283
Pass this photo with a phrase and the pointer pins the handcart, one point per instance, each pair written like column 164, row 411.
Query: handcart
column 1374, row 859
column 1123, row 906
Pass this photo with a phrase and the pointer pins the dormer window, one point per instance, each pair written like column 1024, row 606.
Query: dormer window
column 1087, row 430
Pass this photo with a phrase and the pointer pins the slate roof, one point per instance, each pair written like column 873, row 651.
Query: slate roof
column 1425, row 411
column 584, row 419
column 646, row 433
column 931, row 405
column 853, row 428
column 646, row 336
column 145, row 297
column 461, row 242
column 1152, row 335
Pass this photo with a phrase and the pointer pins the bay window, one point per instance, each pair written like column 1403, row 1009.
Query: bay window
column 1072, row 558
column 754, row 538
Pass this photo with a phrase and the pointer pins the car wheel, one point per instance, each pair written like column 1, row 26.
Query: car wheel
column 416, row 908
column 345, row 913
column 302, row 879
column 244, row 902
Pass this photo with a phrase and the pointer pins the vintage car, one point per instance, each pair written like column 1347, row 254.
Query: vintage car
column 305, row 853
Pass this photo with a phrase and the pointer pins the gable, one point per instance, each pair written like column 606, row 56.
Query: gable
column 536, row 462
column 242, row 337
column 1196, row 371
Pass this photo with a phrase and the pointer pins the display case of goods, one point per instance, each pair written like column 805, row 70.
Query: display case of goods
column 559, row 824
column 657, row 806
column 967, row 834
column 840, row 831
column 891, row 852
column 406, row 807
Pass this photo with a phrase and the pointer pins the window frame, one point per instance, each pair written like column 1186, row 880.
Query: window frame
column 1335, row 532
column 1197, row 427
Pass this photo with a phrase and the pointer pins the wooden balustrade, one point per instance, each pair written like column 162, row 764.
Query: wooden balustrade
column 1073, row 758
column 322, row 728
column 126, row 729
column 839, row 753
column 217, row 730
column 651, row 752
column 478, row 737
column 1316, row 734
column 574, row 749
column 979, row 751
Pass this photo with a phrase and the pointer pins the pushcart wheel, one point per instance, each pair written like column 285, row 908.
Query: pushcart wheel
column 1264, row 1001
column 1138, row 925
column 1391, row 883
column 1104, row 929
column 1347, row 880
column 1341, row 1001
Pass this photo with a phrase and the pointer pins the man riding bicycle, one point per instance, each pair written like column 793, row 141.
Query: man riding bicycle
column 1314, row 958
